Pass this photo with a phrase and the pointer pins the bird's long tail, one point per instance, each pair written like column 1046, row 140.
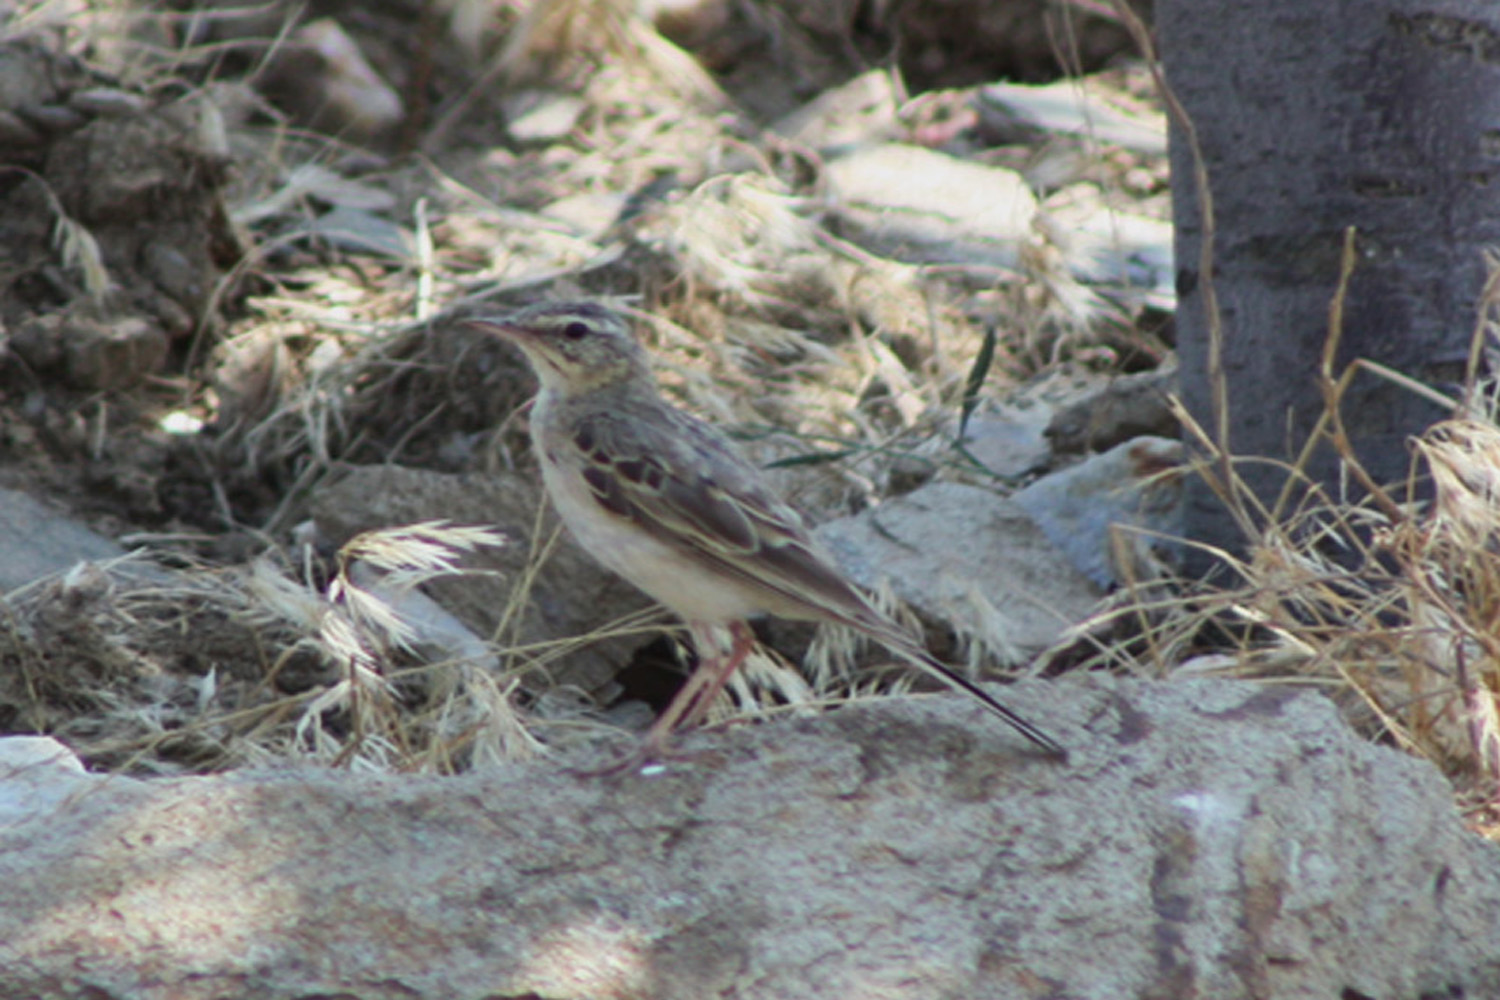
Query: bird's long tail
column 908, row 650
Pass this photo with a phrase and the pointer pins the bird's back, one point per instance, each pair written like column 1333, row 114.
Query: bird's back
column 685, row 516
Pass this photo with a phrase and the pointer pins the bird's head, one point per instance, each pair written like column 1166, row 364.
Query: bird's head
column 574, row 346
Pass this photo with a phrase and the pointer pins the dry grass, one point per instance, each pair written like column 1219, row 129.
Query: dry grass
column 98, row 657
column 1389, row 603
column 832, row 362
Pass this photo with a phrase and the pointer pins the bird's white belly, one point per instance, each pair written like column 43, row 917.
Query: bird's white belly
column 688, row 588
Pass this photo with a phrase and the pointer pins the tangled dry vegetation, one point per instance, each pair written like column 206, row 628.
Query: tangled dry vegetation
column 327, row 344
column 1388, row 603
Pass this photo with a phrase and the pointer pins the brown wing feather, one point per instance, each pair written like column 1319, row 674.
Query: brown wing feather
column 713, row 516
column 702, row 496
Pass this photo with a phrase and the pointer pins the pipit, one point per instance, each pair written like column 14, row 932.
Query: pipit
column 668, row 503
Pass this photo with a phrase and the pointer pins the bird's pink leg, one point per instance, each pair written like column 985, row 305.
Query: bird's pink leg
column 691, row 704
column 716, row 673
column 714, row 670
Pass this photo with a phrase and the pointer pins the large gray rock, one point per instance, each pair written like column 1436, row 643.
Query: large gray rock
column 963, row 556
column 1209, row 839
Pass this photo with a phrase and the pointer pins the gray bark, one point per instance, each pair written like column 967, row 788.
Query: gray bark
column 1314, row 116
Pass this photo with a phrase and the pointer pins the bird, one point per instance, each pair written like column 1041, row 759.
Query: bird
column 667, row 501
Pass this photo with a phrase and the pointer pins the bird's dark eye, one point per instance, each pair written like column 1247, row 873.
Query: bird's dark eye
column 576, row 330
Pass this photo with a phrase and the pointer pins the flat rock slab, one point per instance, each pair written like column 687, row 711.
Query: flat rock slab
column 37, row 540
column 1209, row 839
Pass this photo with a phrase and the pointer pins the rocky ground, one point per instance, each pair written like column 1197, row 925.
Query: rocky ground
column 236, row 243
column 264, row 504
column 1209, row 838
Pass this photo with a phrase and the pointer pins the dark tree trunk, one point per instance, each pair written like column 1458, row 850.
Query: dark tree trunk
column 1314, row 116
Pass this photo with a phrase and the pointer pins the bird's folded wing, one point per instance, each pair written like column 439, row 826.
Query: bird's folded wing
column 689, row 489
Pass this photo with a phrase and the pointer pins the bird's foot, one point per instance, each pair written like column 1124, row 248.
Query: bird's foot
column 650, row 757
